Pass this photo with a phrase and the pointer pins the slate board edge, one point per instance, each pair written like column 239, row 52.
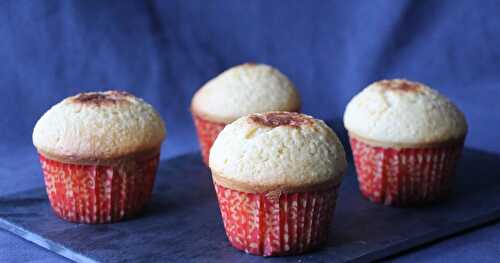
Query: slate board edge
column 44, row 242
column 382, row 253
column 430, row 237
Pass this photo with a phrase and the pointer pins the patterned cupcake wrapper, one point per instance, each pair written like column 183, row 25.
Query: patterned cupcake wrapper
column 408, row 176
column 207, row 133
column 97, row 193
column 270, row 225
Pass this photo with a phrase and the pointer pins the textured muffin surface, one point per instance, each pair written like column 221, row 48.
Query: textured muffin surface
column 278, row 150
column 404, row 112
column 245, row 89
column 99, row 125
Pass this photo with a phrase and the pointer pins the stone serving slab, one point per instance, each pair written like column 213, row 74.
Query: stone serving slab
column 183, row 223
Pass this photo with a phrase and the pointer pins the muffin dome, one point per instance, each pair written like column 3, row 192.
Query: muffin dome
column 98, row 125
column 402, row 112
column 245, row 89
column 277, row 150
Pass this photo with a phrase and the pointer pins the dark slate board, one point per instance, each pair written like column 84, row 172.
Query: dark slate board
column 183, row 221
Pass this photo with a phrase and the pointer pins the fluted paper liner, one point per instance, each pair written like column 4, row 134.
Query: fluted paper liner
column 405, row 176
column 98, row 193
column 207, row 133
column 276, row 224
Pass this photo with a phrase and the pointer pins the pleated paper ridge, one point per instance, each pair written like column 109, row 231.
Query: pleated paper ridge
column 408, row 176
column 98, row 194
column 264, row 224
column 207, row 132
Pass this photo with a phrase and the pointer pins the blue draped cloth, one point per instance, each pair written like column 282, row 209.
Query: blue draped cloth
column 164, row 51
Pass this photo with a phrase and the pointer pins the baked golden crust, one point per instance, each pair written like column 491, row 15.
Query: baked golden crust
column 401, row 85
column 90, row 160
column 275, row 119
column 275, row 188
column 407, row 145
column 102, row 98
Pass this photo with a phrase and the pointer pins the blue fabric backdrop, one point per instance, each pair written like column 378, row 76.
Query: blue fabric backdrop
column 164, row 50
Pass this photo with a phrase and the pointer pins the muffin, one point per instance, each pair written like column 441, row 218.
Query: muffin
column 99, row 153
column 406, row 139
column 276, row 177
column 241, row 90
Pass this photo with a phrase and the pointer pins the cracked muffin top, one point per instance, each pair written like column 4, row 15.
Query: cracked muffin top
column 98, row 125
column 402, row 112
column 245, row 89
column 277, row 150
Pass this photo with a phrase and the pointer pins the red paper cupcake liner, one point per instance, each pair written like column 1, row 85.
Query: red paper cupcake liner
column 97, row 193
column 207, row 133
column 270, row 225
column 407, row 176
